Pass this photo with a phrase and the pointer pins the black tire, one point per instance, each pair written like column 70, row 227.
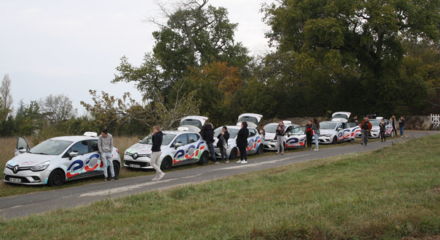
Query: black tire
column 56, row 178
column 260, row 150
column 116, row 168
column 335, row 140
column 233, row 154
column 166, row 164
column 204, row 158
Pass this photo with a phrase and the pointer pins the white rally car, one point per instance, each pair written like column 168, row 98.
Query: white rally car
column 296, row 137
column 270, row 131
column 195, row 121
column 178, row 148
column 375, row 130
column 355, row 130
column 57, row 160
column 332, row 132
column 255, row 142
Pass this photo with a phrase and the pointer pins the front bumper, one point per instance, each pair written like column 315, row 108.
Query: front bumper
column 374, row 134
column 138, row 163
column 27, row 177
column 270, row 145
column 325, row 140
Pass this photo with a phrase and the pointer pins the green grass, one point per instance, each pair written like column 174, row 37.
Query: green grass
column 388, row 194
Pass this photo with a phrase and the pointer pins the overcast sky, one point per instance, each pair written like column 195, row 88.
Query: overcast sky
column 71, row 46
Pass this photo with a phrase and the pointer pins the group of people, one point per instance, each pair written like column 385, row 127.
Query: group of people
column 366, row 127
column 312, row 135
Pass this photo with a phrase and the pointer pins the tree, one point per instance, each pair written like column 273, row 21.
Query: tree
column 57, row 108
column 196, row 34
column 341, row 48
column 5, row 98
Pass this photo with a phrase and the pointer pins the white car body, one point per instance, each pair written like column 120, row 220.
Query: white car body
column 355, row 130
column 341, row 116
column 295, row 137
column 270, row 132
column 196, row 121
column 334, row 132
column 76, row 157
column 255, row 142
column 375, row 130
column 178, row 148
column 253, row 118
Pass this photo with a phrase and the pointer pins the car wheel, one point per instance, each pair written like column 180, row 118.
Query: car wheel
column 166, row 163
column 335, row 140
column 260, row 150
column 204, row 158
column 116, row 168
column 56, row 178
column 233, row 154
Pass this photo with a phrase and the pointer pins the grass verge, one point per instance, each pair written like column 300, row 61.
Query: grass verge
column 391, row 193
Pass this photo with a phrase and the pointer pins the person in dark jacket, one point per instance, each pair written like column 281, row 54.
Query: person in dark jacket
column 279, row 137
column 242, row 142
column 382, row 127
column 222, row 143
column 402, row 125
column 365, row 129
column 207, row 134
column 155, row 162
column 309, row 134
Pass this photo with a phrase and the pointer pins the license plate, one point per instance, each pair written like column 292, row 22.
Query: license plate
column 135, row 166
column 15, row 180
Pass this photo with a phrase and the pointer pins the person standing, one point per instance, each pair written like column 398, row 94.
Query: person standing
column 365, row 129
column 393, row 123
column 242, row 142
column 279, row 137
column 382, row 127
column 315, row 128
column 309, row 134
column 155, row 162
column 222, row 143
column 402, row 125
column 105, row 147
column 207, row 134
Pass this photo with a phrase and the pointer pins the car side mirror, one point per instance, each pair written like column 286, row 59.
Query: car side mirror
column 73, row 154
column 22, row 150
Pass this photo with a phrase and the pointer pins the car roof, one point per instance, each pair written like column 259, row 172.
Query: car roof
column 177, row 132
column 74, row 138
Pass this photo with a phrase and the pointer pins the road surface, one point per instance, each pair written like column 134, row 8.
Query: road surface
column 41, row 202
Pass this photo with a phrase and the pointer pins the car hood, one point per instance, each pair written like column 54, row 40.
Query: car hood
column 29, row 159
column 269, row 136
column 375, row 128
column 327, row 131
column 139, row 149
column 297, row 136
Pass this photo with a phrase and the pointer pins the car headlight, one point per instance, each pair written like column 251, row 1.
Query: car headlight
column 9, row 166
column 40, row 167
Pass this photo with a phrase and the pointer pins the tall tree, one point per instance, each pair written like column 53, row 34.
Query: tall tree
column 57, row 108
column 5, row 98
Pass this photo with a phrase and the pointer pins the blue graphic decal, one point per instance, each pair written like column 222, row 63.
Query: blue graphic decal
column 79, row 164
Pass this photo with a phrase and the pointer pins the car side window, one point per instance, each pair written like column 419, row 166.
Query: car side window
column 93, row 145
column 193, row 138
column 252, row 132
column 182, row 139
column 80, row 147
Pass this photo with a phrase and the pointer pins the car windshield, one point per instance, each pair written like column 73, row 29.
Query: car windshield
column 167, row 138
column 374, row 122
column 340, row 116
column 191, row 122
column 270, row 128
column 248, row 119
column 351, row 124
column 51, row 147
column 327, row 125
column 298, row 130
column 232, row 132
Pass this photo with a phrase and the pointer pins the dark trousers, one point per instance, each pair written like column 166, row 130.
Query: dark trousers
column 309, row 138
column 395, row 131
column 382, row 136
column 243, row 152
column 223, row 152
column 212, row 151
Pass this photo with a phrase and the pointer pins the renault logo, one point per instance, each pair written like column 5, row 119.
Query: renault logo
column 15, row 169
column 135, row 156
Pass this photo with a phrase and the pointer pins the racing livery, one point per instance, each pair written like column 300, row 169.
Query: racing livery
column 332, row 132
column 178, row 148
column 295, row 137
column 270, row 132
column 255, row 142
column 57, row 160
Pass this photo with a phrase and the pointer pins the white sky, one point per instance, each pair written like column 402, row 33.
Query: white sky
column 71, row 46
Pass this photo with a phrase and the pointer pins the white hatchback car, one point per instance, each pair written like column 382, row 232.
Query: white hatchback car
column 270, row 131
column 255, row 142
column 57, row 160
column 178, row 148
column 332, row 132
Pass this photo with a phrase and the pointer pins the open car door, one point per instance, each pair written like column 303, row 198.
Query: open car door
column 22, row 146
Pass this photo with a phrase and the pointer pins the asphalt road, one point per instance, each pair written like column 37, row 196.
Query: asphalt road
column 40, row 202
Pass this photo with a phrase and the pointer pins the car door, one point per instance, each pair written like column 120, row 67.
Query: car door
column 252, row 141
column 180, row 149
column 346, row 132
column 21, row 146
column 195, row 149
column 81, row 165
column 340, row 132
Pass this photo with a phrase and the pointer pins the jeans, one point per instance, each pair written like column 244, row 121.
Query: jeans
column 108, row 162
column 155, row 162
column 223, row 152
column 243, row 152
column 402, row 129
column 316, row 136
column 365, row 134
column 212, row 151
column 280, row 144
